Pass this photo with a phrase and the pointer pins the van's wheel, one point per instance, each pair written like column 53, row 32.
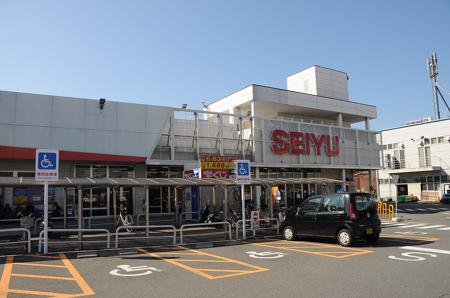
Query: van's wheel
column 344, row 237
column 289, row 233
column 373, row 238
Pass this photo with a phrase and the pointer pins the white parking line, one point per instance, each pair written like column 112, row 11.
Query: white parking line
column 433, row 209
column 421, row 209
column 431, row 227
column 443, row 209
column 410, row 210
column 438, row 251
column 444, row 229
column 411, row 226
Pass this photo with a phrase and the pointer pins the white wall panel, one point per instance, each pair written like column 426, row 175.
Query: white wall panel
column 33, row 109
column 68, row 112
column 98, row 141
column 130, row 143
column 32, row 136
column 6, row 135
column 7, row 105
column 67, row 139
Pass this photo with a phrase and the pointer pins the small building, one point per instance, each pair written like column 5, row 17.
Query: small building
column 416, row 159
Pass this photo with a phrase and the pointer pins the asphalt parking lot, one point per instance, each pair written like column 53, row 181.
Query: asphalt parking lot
column 410, row 260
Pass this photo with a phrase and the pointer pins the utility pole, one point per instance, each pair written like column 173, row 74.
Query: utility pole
column 433, row 72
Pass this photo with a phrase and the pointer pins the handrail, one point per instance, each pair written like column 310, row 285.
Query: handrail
column 239, row 222
column 151, row 215
column 89, row 219
column 19, row 230
column 270, row 219
column 108, row 235
column 147, row 227
column 184, row 213
column 205, row 225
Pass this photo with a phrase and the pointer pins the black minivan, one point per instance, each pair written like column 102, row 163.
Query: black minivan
column 344, row 216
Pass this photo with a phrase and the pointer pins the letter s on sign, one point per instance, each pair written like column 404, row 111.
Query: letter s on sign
column 280, row 146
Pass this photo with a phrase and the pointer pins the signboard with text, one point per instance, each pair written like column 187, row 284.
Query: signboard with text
column 242, row 171
column 47, row 165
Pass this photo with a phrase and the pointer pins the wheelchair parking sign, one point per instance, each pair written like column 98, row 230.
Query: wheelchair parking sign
column 242, row 171
column 47, row 164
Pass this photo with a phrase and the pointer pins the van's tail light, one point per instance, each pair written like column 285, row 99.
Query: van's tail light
column 352, row 212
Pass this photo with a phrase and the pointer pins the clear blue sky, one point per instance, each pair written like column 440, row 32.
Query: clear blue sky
column 174, row 52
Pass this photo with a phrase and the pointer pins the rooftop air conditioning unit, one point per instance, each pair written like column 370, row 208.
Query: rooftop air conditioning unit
column 448, row 139
column 401, row 145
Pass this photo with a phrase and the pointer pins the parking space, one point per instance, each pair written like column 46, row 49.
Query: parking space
column 207, row 265
column 37, row 275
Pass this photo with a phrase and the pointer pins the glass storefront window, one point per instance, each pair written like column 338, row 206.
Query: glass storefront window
column 121, row 172
column 157, row 172
column 26, row 174
column 82, row 171
column 98, row 171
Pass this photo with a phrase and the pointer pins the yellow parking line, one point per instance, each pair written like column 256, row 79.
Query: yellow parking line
column 351, row 252
column 200, row 260
column 220, row 270
column 41, row 276
column 77, row 276
column 39, row 265
column 38, row 293
column 202, row 271
column 177, row 253
column 6, row 276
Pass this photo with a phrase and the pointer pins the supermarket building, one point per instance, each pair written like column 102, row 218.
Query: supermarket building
column 304, row 131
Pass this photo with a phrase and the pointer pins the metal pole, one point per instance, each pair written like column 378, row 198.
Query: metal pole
column 114, row 205
column 214, row 197
column 176, row 205
column 65, row 207
column 243, row 212
column 147, row 213
column 80, row 213
column 225, row 205
column 46, row 217
column 286, row 196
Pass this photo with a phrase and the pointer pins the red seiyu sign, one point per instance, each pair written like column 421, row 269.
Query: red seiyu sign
column 299, row 143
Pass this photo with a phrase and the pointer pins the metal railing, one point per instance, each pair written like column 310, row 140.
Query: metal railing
column 152, row 217
column 206, row 225
column 184, row 213
column 270, row 221
column 90, row 219
column 38, row 221
column 28, row 241
column 108, row 236
column 247, row 225
column 174, row 236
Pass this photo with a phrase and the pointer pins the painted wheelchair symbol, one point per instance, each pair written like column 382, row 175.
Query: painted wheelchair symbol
column 242, row 169
column 128, row 270
column 45, row 163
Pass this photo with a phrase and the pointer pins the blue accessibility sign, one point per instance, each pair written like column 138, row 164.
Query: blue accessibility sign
column 242, row 171
column 47, row 164
column 47, row 161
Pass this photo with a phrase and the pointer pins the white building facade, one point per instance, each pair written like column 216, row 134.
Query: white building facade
column 303, row 131
column 416, row 160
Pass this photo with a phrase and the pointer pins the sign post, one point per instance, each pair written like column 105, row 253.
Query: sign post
column 46, row 169
column 395, row 178
column 243, row 176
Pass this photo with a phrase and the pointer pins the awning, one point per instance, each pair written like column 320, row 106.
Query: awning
column 149, row 182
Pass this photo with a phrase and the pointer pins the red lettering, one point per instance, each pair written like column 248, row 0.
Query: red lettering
column 280, row 146
column 307, row 144
column 329, row 150
column 317, row 142
column 297, row 143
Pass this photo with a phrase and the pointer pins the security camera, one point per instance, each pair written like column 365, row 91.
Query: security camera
column 184, row 106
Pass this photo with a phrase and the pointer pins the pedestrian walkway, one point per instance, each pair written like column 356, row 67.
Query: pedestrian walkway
column 419, row 226
column 434, row 209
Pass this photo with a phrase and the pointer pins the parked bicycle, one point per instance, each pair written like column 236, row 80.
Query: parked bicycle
column 125, row 219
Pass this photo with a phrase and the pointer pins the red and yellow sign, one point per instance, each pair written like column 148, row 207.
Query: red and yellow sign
column 216, row 166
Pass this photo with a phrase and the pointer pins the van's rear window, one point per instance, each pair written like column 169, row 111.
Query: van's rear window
column 363, row 201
